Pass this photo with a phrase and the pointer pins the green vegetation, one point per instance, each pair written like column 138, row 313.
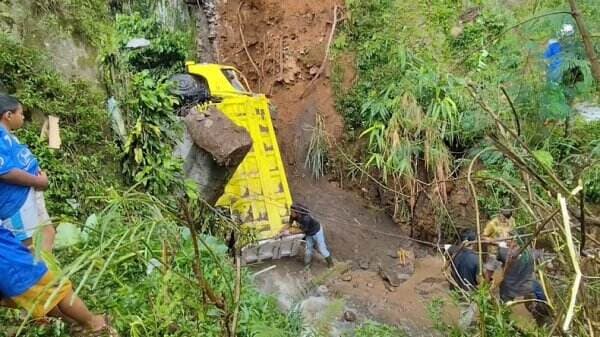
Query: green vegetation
column 138, row 77
column 411, row 100
column 440, row 83
column 373, row 329
column 316, row 157
column 132, row 251
column 86, row 19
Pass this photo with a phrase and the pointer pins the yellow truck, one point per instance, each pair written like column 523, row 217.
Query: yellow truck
column 257, row 195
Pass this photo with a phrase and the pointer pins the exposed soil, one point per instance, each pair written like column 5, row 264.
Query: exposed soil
column 286, row 40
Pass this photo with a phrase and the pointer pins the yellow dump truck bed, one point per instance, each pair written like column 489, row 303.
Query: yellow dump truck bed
column 258, row 193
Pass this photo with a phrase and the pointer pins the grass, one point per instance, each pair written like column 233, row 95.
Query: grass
column 318, row 149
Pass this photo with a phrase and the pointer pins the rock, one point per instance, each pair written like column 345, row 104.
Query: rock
column 370, row 285
column 347, row 278
column 217, row 147
column 588, row 111
column 215, row 133
column 322, row 290
column 350, row 316
column 403, row 277
column 388, row 276
column 389, row 288
column 363, row 264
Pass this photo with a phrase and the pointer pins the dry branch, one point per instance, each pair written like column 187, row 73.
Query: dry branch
column 240, row 24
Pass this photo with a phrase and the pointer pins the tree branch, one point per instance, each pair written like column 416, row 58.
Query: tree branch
column 587, row 41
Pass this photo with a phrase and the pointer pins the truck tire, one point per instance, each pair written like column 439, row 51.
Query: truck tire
column 191, row 89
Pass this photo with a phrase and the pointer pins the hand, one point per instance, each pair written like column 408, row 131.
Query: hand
column 41, row 181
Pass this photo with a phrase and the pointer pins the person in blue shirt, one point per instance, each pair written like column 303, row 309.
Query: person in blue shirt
column 28, row 283
column 22, row 208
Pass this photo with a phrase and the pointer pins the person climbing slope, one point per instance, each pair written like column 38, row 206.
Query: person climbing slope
column 464, row 266
column 519, row 280
column 312, row 229
column 22, row 207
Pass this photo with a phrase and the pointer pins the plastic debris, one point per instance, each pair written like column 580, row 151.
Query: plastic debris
column 67, row 234
column 116, row 118
column 138, row 43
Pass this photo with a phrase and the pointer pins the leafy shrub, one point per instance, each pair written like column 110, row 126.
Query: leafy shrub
column 86, row 19
column 147, row 153
column 164, row 56
column 138, row 77
column 592, row 184
column 135, row 262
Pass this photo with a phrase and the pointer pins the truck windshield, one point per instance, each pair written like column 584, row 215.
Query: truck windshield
column 234, row 79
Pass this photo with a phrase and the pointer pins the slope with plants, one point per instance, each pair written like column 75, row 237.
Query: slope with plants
column 455, row 93
column 133, row 235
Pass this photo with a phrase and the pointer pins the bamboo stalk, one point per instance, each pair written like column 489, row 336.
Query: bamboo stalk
column 478, row 223
column 573, row 254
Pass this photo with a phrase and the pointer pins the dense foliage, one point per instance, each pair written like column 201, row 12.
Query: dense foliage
column 133, row 257
column 137, row 77
column 440, row 83
column 412, row 101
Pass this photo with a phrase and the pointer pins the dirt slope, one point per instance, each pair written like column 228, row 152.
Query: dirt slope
column 286, row 40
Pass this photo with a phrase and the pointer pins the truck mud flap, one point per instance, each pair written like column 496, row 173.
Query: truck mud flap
column 272, row 249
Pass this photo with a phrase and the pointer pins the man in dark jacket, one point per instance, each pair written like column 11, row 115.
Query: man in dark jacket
column 520, row 281
column 464, row 262
column 313, row 230
column 464, row 265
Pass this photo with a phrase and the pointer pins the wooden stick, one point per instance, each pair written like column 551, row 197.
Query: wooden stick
column 514, row 111
column 582, row 221
column 280, row 58
column 322, row 67
column 264, row 270
column 239, row 15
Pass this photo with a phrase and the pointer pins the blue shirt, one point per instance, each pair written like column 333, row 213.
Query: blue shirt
column 14, row 155
column 553, row 56
column 19, row 270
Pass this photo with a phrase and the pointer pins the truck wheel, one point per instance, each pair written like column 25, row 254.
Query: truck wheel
column 191, row 89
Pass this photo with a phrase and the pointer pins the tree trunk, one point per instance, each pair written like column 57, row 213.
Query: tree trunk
column 587, row 41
